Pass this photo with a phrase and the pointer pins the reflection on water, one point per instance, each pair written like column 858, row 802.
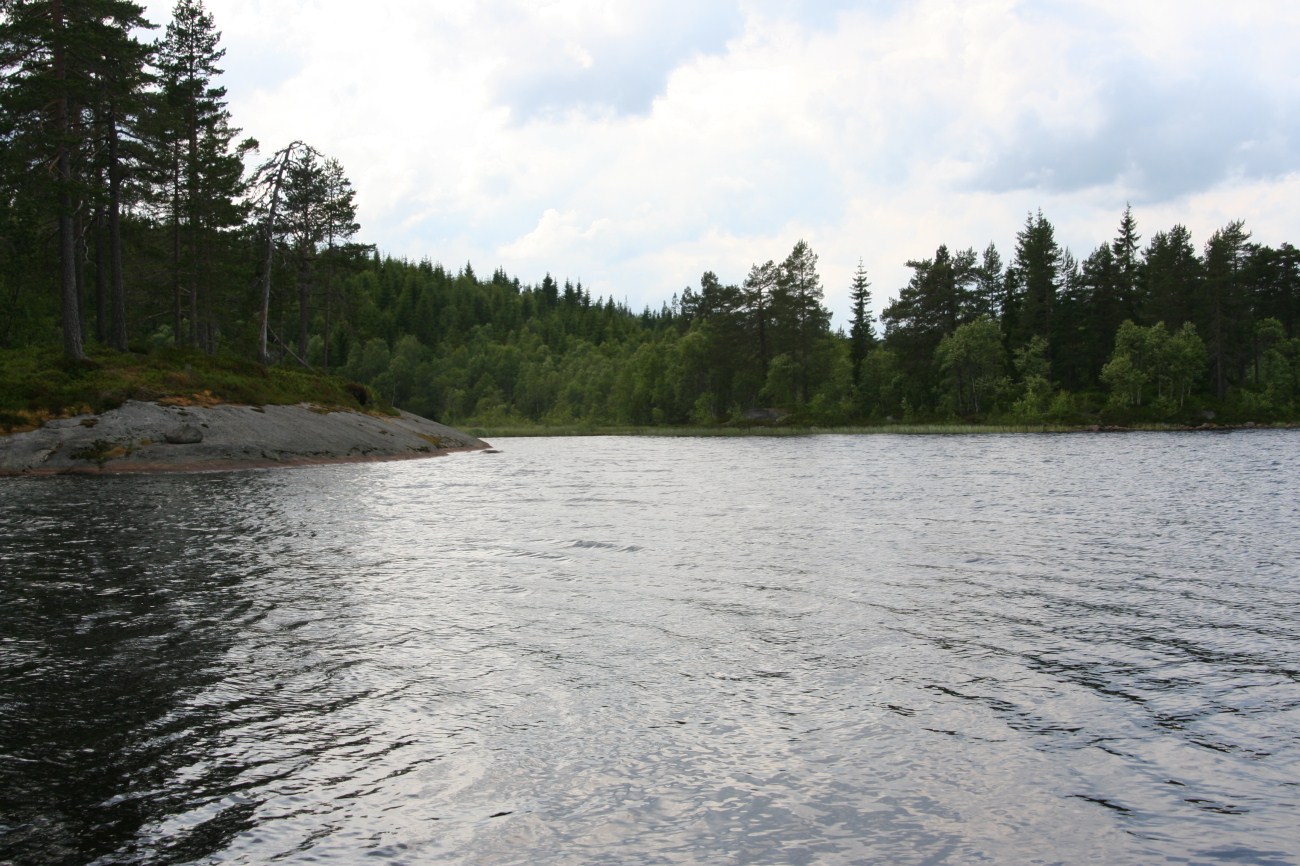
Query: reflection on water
column 1065, row 649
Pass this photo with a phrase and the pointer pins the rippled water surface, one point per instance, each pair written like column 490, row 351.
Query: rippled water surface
column 832, row 650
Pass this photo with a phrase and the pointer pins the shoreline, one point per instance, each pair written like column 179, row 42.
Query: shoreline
column 146, row 437
column 881, row 430
column 233, row 465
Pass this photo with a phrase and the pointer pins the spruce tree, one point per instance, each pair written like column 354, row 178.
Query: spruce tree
column 1125, row 250
column 862, row 330
column 1037, row 265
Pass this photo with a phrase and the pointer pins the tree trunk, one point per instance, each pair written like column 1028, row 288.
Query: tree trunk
column 262, row 355
column 73, row 347
column 101, row 289
column 117, row 291
column 192, row 223
column 117, row 284
column 329, row 287
column 177, row 314
column 304, row 304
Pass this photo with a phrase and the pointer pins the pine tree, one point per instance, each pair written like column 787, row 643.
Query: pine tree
column 1226, row 304
column 61, row 59
column 340, row 225
column 1037, row 265
column 1169, row 279
column 120, row 89
column 1087, row 314
column 942, row 288
column 1125, row 251
column 304, row 226
column 798, row 311
column 758, row 289
column 989, row 287
column 1274, row 279
column 269, row 181
column 317, row 212
column 862, row 329
column 937, row 300
column 202, row 175
column 721, row 315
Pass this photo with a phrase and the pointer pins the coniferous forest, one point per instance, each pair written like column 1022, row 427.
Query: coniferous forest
column 137, row 219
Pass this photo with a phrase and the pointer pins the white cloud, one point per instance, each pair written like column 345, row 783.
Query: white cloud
column 634, row 146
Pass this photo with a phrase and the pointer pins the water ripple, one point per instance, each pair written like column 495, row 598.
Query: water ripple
column 830, row 650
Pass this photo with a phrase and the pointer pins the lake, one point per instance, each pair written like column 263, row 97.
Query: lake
column 878, row 649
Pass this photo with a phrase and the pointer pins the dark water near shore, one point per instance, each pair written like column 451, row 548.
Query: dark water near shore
column 993, row 649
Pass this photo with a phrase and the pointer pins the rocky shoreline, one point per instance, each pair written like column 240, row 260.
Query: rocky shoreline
column 153, row 437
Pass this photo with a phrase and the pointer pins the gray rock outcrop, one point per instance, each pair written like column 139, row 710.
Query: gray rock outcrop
column 150, row 437
column 186, row 434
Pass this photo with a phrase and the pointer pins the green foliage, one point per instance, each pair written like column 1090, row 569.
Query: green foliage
column 1036, row 393
column 1149, row 364
column 972, row 358
column 862, row 330
column 782, row 386
column 880, row 387
column 1126, row 379
column 36, row 384
column 1273, row 391
column 128, row 149
column 1038, row 268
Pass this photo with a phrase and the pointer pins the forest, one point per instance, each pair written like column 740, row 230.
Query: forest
column 137, row 219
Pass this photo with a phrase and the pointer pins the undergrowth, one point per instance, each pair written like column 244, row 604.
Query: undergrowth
column 37, row 384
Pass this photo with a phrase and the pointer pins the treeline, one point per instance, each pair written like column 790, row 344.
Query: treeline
column 502, row 353
column 134, row 217
column 1154, row 333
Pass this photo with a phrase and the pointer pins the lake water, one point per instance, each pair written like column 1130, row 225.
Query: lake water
column 900, row 650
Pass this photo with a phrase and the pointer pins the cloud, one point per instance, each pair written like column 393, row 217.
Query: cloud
column 601, row 56
column 1160, row 137
column 634, row 146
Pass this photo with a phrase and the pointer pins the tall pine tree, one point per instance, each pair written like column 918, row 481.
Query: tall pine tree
column 201, row 172
column 1226, row 306
column 1170, row 279
column 62, row 59
column 1125, row 250
column 758, row 289
column 862, row 329
column 1037, row 266
column 798, row 311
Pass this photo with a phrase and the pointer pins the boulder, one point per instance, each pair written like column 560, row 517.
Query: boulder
column 185, row 434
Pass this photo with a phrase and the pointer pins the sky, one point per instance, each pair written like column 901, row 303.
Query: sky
column 632, row 146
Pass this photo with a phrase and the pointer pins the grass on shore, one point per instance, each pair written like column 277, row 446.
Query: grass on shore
column 896, row 429
column 39, row 384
